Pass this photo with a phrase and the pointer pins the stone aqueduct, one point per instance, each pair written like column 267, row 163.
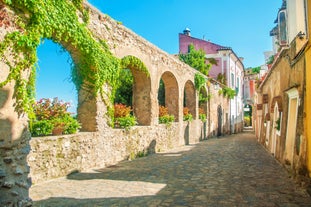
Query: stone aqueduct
column 25, row 159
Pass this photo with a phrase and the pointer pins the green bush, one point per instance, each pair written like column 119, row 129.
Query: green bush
column 166, row 119
column 125, row 122
column 41, row 128
column 52, row 115
column 68, row 124
column 202, row 117
column 188, row 117
column 247, row 121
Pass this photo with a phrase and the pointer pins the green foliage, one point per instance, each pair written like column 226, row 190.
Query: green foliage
column 270, row 59
column 122, row 117
column 50, row 115
column 47, row 109
column 227, row 92
column 133, row 62
column 202, row 117
column 196, row 59
column 166, row 119
column 256, row 69
column 204, row 99
column 222, row 78
column 59, row 22
column 124, row 85
column 125, row 122
column 161, row 93
column 247, row 120
column 124, row 93
column 43, row 127
column 68, row 124
column 188, row 117
column 199, row 81
column 278, row 124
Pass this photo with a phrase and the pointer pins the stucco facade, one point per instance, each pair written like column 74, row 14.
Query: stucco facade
column 281, row 103
column 229, row 65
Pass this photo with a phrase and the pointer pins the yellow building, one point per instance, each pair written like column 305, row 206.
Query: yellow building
column 308, row 90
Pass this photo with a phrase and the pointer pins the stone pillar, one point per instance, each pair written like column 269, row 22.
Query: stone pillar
column 92, row 110
column 14, row 148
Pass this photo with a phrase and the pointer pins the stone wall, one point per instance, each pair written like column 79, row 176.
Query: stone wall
column 52, row 157
column 99, row 145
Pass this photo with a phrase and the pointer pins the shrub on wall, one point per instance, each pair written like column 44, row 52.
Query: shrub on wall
column 187, row 115
column 202, row 115
column 122, row 117
column 51, row 116
column 164, row 117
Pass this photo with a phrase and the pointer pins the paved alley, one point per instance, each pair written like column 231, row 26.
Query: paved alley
column 231, row 171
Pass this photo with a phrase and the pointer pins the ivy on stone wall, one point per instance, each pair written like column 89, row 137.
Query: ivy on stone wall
column 199, row 81
column 64, row 22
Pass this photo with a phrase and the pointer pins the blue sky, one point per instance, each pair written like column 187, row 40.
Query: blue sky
column 243, row 25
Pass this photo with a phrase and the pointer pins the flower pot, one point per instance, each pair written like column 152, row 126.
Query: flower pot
column 57, row 131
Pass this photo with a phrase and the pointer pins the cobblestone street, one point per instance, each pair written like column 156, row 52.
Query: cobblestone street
column 231, row 171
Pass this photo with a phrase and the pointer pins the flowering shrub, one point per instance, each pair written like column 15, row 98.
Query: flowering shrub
column 164, row 117
column 123, row 117
column 52, row 117
column 47, row 109
column 202, row 115
column 163, row 111
column 126, row 122
column 187, row 115
column 121, row 110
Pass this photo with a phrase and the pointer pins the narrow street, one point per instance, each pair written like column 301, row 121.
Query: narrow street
column 231, row 171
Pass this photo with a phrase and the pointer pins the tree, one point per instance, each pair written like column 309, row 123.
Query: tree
column 196, row 59
column 256, row 70
column 124, row 93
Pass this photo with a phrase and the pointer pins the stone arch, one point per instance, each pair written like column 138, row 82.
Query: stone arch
column 141, row 89
column 190, row 98
column 91, row 58
column 203, row 102
column 171, row 93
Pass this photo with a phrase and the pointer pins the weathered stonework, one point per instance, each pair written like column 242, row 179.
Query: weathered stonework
column 99, row 145
column 53, row 157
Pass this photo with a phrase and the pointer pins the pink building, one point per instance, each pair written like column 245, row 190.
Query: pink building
column 220, row 53
column 228, row 64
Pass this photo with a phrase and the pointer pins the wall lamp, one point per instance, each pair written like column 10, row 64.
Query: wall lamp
column 301, row 35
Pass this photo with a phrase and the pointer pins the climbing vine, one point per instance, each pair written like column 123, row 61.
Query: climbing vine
column 59, row 21
column 199, row 81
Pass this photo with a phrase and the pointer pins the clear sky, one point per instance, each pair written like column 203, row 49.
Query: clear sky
column 243, row 25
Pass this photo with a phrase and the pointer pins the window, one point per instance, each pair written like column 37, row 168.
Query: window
column 232, row 80
column 282, row 27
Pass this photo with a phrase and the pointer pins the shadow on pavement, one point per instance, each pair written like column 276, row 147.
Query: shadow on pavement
column 233, row 171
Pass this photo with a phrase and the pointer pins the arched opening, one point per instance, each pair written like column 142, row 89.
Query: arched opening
column 168, row 94
column 141, row 88
column 189, row 100
column 203, row 103
column 219, row 120
column 55, row 108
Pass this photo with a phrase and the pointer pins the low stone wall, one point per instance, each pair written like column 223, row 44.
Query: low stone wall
column 52, row 157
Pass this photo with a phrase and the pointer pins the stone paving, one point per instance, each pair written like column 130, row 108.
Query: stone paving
column 231, row 171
